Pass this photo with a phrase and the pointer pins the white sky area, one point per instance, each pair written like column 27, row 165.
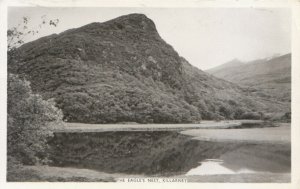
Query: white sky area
column 206, row 37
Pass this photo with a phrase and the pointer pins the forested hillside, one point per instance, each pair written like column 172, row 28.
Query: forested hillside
column 123, row 71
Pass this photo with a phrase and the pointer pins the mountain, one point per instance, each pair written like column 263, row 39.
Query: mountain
column 123, row 71
column 231, row 64
column 271, row 77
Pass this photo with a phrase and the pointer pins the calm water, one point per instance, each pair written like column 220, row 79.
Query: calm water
column 215, row 167
column 167, row 153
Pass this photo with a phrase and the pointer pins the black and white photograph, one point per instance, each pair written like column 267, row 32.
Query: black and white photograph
column 149, row 94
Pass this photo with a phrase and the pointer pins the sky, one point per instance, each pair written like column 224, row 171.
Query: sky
column 206, row 37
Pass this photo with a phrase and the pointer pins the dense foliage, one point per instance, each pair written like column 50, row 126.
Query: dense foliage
column 123, row 71
column 29, row 122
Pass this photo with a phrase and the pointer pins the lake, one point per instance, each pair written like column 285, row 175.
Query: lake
column 217, row 155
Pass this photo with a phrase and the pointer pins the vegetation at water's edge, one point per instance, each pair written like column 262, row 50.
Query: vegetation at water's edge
column 29, row 123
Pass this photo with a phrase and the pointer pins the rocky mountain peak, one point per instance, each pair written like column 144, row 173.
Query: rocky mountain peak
column 131, row 23
column 134, row 21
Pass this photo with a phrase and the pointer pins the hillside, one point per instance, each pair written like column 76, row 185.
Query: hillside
column 270, row 77
column 231, row 64
column 123, row 71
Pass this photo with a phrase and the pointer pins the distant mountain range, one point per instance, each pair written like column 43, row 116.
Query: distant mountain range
column 123, row 71
column 271, row 77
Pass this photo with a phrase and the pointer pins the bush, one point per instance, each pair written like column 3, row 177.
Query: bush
column 238, row 113
column 287, row 116
column 251, row 115
column 218, row 117
column 225, row 111
column 30, row 120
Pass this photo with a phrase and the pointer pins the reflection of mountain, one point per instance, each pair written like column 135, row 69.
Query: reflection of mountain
column 210, row 168
column 272, row 77
column 122, row 70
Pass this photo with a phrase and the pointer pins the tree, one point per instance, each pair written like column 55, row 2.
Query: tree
column 16, row 36
column 30, row 119
column 225, row 111
column 261, row 114
column 251, row 115
column 30, row 122
column 287, row 117
column 238, row 113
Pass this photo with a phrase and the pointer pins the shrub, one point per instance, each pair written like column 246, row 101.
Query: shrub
column 251, row 115
column 218, row 117
column 30, row 120
column 238, row 113
column 286, row 117
column 225, row 111
column 232, row 102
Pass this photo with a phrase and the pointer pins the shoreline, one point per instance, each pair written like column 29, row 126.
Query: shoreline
column 206, row 124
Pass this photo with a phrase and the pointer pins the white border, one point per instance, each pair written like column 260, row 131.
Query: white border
column 293, row 4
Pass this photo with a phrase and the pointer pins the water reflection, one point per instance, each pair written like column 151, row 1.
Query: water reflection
column 214, row 167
